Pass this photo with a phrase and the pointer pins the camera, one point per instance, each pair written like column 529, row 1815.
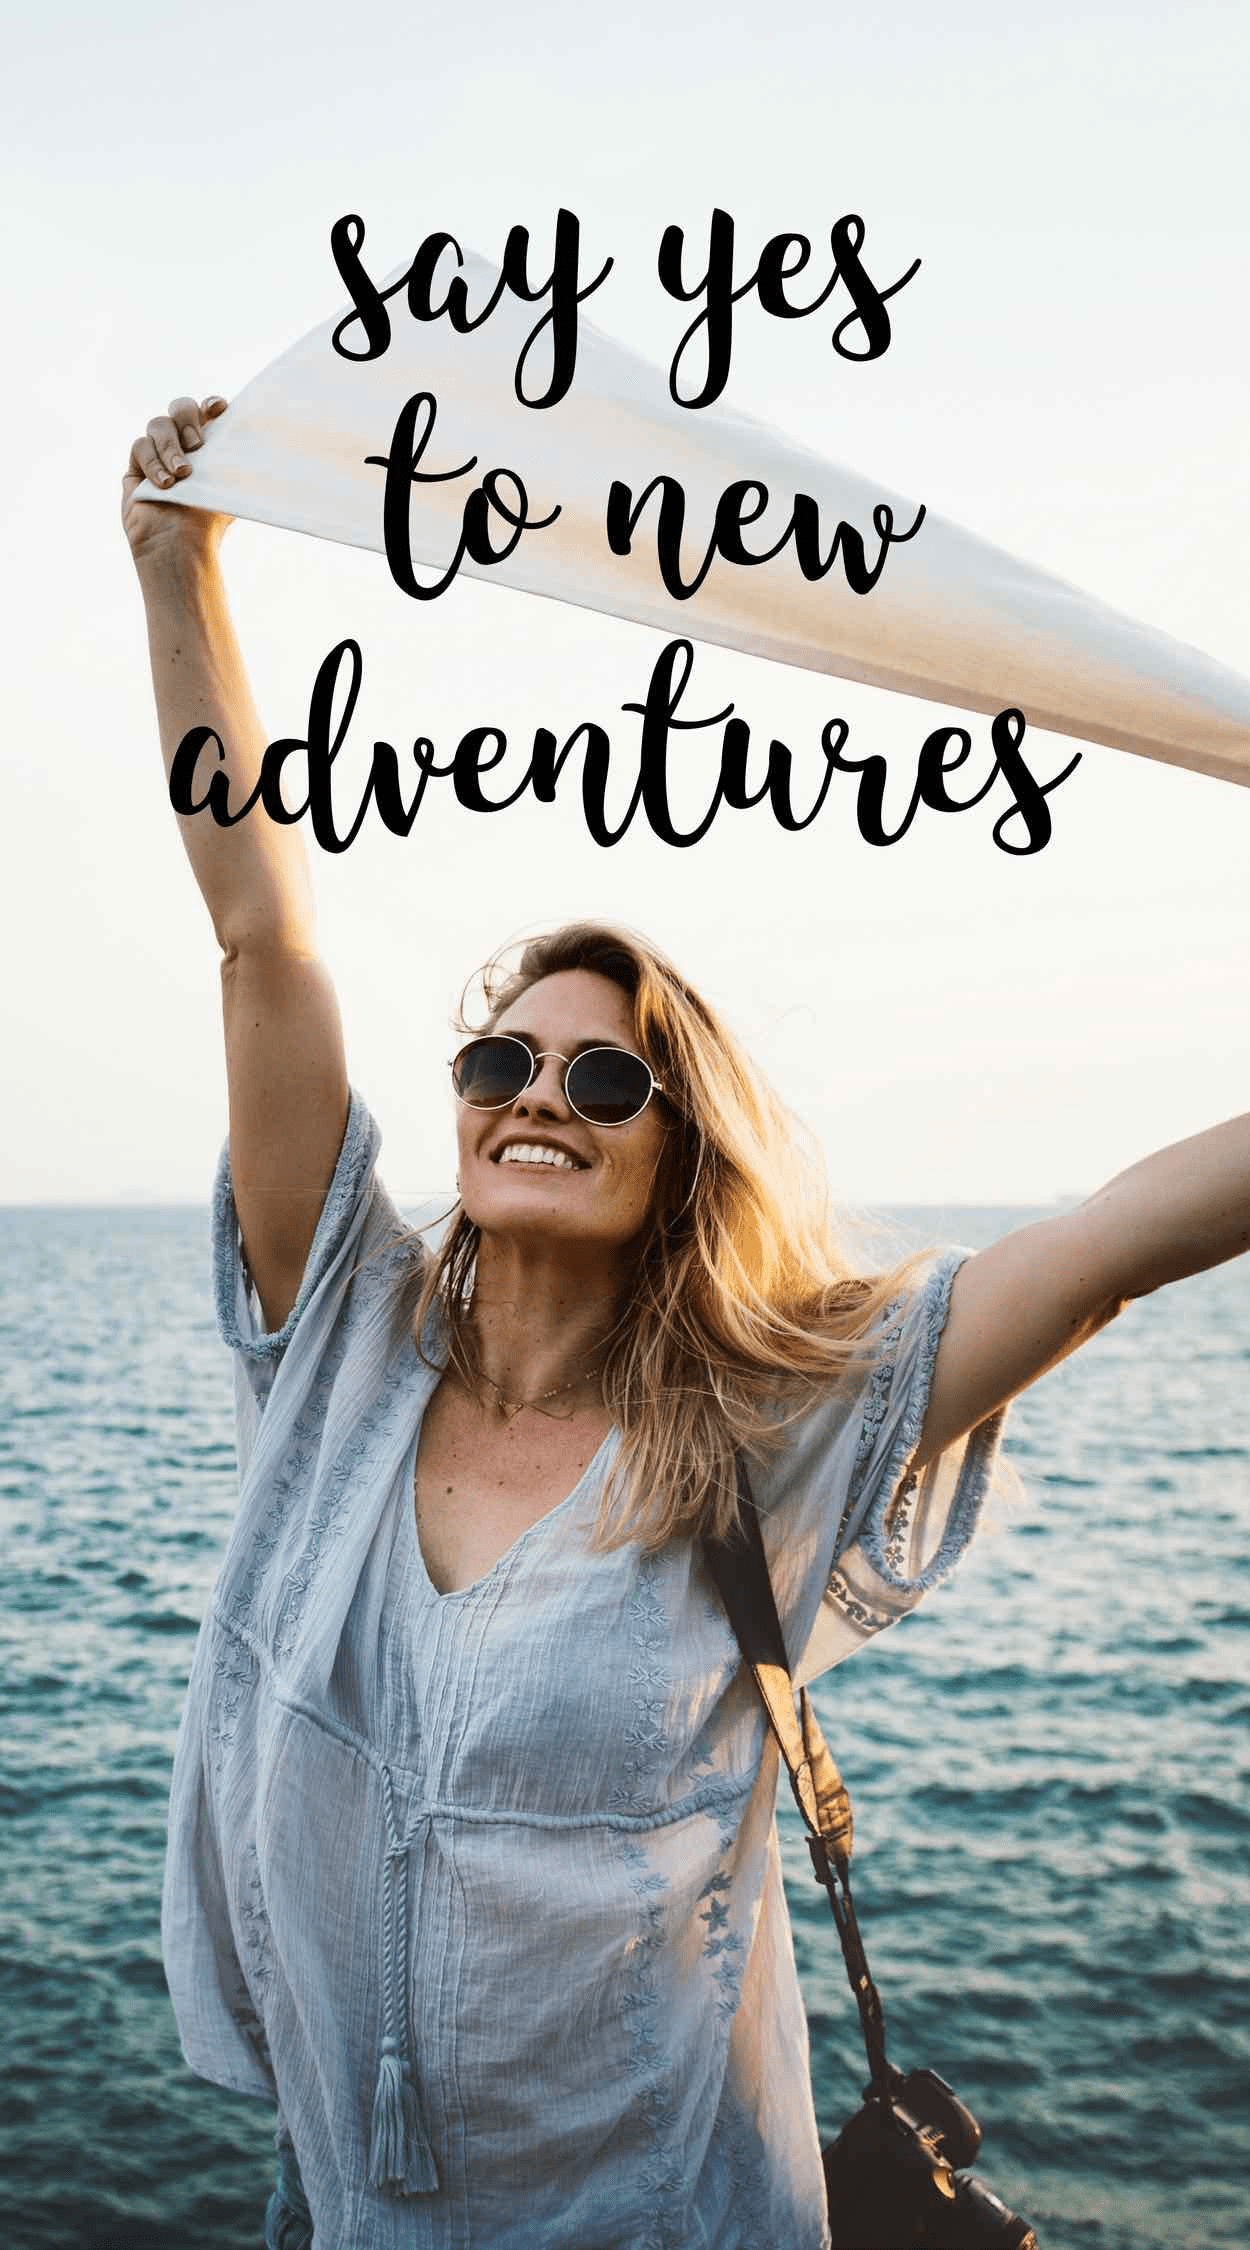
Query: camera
column 893, row 2180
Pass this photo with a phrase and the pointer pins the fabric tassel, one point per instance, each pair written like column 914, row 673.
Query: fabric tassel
column 400, row 2156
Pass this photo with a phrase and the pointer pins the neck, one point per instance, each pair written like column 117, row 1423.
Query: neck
column 538, row 1321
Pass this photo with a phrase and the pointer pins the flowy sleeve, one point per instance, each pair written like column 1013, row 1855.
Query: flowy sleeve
column 358, row 1236
column 857, row 1539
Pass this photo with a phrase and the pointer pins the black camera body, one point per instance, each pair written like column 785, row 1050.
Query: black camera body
column 892, row 2175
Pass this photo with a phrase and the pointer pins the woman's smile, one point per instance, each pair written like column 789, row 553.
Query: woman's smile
column 539, row 1156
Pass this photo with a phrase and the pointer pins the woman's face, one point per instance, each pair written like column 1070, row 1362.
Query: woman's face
column 602, row 1200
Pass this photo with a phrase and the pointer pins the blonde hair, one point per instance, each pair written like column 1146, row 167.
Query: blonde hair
column 745, row 1305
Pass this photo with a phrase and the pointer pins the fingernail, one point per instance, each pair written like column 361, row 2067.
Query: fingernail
column 191, row 439
column 215, row 400
column 163, row 477
column 178, row 461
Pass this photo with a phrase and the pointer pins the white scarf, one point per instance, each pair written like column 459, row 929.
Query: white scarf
column 951, row 617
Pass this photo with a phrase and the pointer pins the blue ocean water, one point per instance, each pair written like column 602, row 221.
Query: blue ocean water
column 1048, row 1763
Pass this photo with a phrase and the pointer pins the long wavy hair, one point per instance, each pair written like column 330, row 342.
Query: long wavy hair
column 745, row 1306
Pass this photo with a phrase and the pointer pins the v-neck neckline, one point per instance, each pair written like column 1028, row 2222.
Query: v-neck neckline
column 435, row 1369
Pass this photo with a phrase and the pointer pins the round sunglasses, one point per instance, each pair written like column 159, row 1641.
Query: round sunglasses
column 603, row 1085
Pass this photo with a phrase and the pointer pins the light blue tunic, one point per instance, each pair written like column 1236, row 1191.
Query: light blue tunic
column 484, row 1888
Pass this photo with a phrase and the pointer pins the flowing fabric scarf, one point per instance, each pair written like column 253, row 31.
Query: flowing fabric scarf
column 951, row 618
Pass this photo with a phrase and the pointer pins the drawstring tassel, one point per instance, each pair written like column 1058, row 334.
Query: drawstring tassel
column 400, row 2156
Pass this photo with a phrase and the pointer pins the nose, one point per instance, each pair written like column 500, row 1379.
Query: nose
column 545, row 1093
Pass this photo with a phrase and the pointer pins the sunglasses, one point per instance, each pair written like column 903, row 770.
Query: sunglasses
column 603, row 1085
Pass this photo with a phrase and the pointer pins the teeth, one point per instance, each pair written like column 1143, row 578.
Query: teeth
column 529, row 1152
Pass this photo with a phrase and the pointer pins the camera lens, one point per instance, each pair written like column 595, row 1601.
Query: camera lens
column 985, row 2223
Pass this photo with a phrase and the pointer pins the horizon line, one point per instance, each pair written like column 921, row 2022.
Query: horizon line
column 850, row 1203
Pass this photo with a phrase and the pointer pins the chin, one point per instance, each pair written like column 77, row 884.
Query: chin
column 528, row 1211
column 536, row 1222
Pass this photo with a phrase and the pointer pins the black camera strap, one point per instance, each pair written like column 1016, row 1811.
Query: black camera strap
column 739, row 1570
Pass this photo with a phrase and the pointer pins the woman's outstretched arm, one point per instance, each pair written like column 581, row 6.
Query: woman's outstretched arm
column 1026, row 1302
column 285, row 1064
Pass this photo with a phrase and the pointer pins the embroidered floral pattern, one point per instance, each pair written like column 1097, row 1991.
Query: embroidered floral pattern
column 236, row 1670
column 886, row 1533
column 255, row 1960
column 898, row 1523
column 648, row 1678
column 875, row 1405
column 257, row 1942
column 723, row 1944
column 869, row 1620
column 886, row 1540
column 642, row 2009
column 738, row 2138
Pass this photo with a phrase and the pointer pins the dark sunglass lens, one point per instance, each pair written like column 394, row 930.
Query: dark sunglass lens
column 490, row 1072
column 608, row 1086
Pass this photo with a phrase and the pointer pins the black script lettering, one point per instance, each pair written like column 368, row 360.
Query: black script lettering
column 741, row 503
column 481, row 750
column 716, row 286
column 776, row 267
column 560, row 286
column 469, row 760
column 472, row 759
column 403, row 469
column 776, row 783
column 548, row 764
column 368, row 301
column 870, row 798
column 861, row 575
column 1006, row 734
column 936, row 763
column 216, row 798
column 383, row 786
column 659, row 717
column 845, row 239
column 321, row 747
column 783, row 256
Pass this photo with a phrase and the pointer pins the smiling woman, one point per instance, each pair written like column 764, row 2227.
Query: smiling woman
column 473, row 1868
column 553, row 1209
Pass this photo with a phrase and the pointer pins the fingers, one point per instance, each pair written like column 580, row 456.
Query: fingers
column 163, row 433
column 161, row 453
column 146, row 461
column 190, row 418
column 185, row 415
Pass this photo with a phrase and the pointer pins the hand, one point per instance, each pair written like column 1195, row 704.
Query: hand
column 161, row 453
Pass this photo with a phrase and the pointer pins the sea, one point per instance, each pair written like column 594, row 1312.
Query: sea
column 1048, row 1760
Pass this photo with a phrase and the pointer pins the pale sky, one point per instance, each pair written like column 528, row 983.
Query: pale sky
column 1066, row 378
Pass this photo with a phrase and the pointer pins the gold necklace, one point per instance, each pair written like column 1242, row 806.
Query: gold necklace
column 510, row 1408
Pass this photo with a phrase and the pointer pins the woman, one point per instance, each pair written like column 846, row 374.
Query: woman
column 472, row 1860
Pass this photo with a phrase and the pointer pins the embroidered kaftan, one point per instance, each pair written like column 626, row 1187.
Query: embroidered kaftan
column 514, row 1844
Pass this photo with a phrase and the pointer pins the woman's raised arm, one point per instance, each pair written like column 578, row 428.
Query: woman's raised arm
column 285, row 1064
column 1024, row 1304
